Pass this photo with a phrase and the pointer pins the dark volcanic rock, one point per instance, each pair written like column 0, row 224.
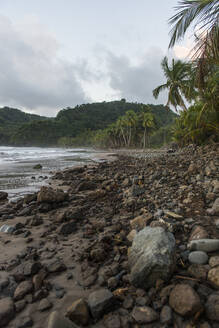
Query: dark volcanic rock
column 67, row 228
column 7, row 311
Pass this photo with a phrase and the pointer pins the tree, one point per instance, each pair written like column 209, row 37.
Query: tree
column 179, row 83
column 203, row 15
column 147, row 120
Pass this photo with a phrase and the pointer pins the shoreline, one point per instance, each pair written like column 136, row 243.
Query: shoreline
column 81, row 239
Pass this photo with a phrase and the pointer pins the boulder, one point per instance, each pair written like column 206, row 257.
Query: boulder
column 184, row 300
column 50, row 195
column 100, row 302
column 151, row 257
column 67, row 228
column 7, row 311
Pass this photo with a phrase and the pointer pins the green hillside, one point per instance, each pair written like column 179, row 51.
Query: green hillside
column 18, row 128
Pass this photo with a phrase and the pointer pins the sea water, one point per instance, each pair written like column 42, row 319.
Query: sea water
column 17, row 173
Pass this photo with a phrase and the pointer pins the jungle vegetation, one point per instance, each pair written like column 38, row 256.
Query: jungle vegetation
column 193, row 85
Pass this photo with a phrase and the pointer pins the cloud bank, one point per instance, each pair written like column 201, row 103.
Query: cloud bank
column 35, row 77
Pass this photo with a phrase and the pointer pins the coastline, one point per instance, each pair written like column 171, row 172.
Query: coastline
column 82, row 241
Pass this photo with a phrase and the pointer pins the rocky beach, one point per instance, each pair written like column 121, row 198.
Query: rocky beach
column 131, row 242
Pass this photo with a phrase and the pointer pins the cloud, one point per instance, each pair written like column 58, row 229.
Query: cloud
column 135, row 79
column 32, row 74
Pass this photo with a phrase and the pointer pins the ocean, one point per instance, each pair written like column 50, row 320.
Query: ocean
column 17, row 175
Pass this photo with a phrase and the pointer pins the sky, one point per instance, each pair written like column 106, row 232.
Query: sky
column 59, row 53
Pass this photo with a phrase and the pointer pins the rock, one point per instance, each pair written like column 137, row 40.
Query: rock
column 205, row 245
column 78, row 312
column 86, row 185
column 214, row 261
column 131, row 235
column 151, row 257
column 112, row 321
column 44, row 305
column 38, row 279
column 213, row 277
column 49, row 195
column 67, row 228
column 198, row 271
column 56, row 266
column 28, row 268
column 184, row 300
column 144, row 314
column 138, row 223
column 20, row 305
column 3, row 195
column 198, row 257
column 166, row 315
column 24, row 288
column 37, row 167
column 56, row 320
column 198, row 232
column 7, row 228
column 25, row 322
column 173, row 215
column 7, row 311
column 212, row 307
column 100, row 302
column 215, row 208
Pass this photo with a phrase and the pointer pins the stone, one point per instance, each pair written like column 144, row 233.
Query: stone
column 7, row 311
column 44, row 305
column 20, row 305
column 166, row 315
column 173, row 215
column 38, row 279
column 50, row 195
column 67, row 228
column 100, row 302
column 198, row 257
column 213, row 277
column 138, row 223
column 205, row 245
column 56, row 266
column 78, row 312
column 198, row 232
column 3, row 195
column 131, row 235
column 112, row 321
column 25, row 322
column 216, row 186
column 24, row 288
column 144, row 314
column 56, row 320
column 214, row 261
column 212, row 307
column 215, row 208
column 184, row 300
column 37, row 167
column 198, row 271
column 151, row 257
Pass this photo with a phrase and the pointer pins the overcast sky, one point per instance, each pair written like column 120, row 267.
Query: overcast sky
column 59, row 53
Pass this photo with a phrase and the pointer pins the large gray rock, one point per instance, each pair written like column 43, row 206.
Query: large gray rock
column 205, row 245
column 100, row 302
column 152, row 256
column 49, row 195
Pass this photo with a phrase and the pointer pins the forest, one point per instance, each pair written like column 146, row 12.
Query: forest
column 88, row 124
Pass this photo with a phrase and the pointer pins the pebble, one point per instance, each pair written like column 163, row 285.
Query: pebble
column 198, row 257
column 144, row 314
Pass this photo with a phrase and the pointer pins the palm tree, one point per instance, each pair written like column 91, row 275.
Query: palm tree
column 179, row 83
column 204, row 16
column 148, row 124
